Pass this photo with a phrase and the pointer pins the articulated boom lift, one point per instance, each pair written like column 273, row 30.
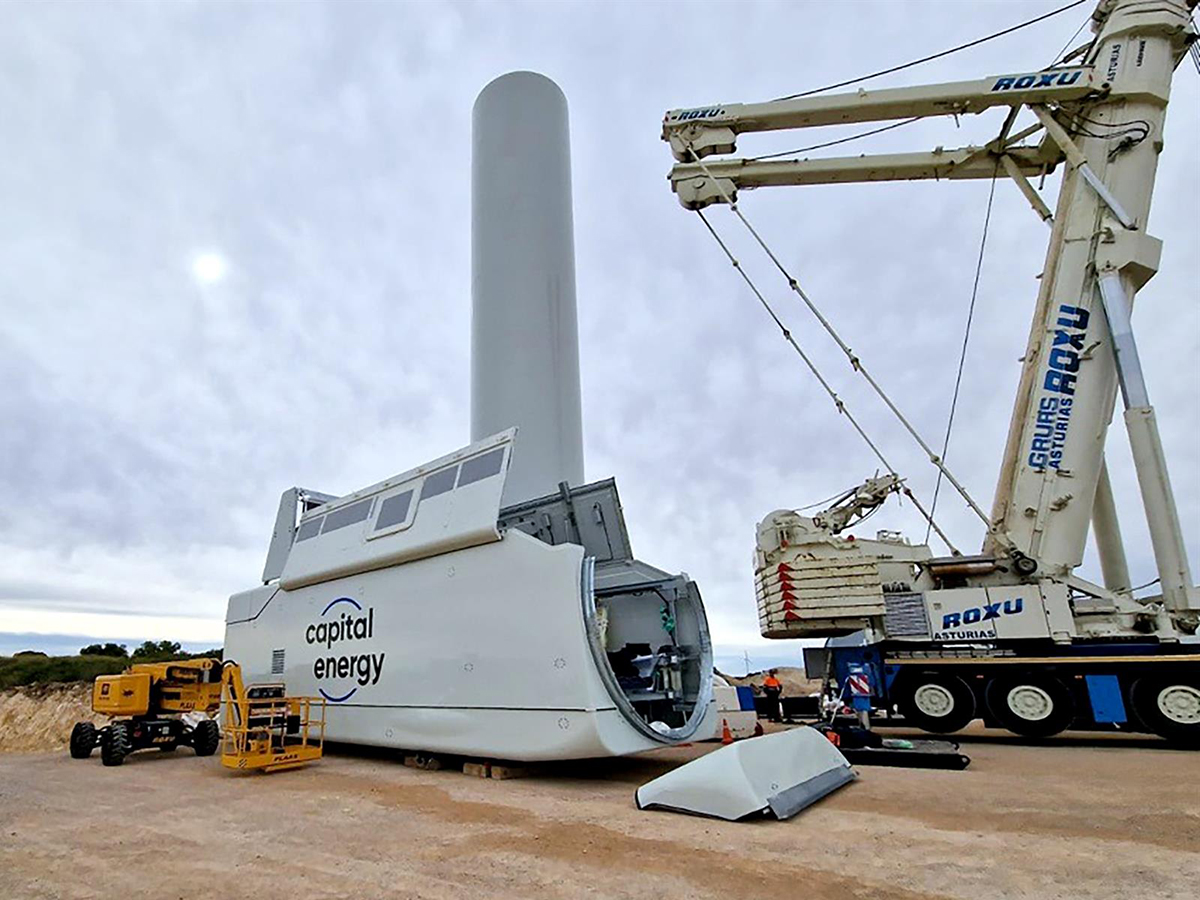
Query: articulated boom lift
column 266, row 730
column 1011, row 634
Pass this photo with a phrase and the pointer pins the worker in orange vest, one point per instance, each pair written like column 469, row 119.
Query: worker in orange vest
column 773, row 688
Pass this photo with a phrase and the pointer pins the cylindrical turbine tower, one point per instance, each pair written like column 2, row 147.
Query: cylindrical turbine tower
column 524, row 336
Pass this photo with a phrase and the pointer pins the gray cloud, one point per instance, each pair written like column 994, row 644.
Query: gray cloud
column 150, row 421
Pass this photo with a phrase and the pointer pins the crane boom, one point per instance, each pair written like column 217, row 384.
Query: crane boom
column 1104, row 120
column 711, row 129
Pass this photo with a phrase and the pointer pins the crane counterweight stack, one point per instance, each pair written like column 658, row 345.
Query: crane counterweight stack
column 1013, row 634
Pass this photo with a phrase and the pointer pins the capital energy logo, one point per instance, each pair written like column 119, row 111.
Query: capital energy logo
column 343, row 621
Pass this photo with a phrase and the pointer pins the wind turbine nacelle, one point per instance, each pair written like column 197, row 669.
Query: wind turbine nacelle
column 432, row 620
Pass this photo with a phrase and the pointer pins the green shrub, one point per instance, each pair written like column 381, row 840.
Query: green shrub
column 19, row 670
column 109, row 649
column 24, row 669
column 158, row 650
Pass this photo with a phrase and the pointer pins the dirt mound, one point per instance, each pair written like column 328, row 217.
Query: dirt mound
column 795, row 683
column 39, row 717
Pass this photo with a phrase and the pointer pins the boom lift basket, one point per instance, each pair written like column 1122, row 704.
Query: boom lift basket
column 264, row 729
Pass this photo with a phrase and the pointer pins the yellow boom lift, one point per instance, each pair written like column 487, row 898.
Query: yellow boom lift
column 148, row 702
column 263, row 728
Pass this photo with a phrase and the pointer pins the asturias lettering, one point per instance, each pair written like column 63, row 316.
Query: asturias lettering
column 1062, row 372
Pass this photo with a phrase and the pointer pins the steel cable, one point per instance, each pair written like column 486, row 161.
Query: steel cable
column 855, row 361
column 925, row 59
column 837, row 401
column 962, row 356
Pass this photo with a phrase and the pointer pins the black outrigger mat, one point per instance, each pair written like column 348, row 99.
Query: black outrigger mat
column 922, row 755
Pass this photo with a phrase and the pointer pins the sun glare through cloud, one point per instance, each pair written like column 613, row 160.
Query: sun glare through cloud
column 209, row 268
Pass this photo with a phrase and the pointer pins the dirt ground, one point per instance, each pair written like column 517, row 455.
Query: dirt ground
column 1079, row 817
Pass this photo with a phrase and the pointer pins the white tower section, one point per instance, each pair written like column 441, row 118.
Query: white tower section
column 524, row 336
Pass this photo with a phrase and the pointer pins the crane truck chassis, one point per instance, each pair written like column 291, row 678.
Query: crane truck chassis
column 1011, row 634
column 1133, row 688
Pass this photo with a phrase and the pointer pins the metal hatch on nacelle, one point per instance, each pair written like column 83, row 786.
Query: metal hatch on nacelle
column 647, row 628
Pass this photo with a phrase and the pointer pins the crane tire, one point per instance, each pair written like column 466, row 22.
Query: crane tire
column 1031, row 704
column 206, row 737
column 116, row 747
column 935, row 701
column 83, row 739
column 1170, row 707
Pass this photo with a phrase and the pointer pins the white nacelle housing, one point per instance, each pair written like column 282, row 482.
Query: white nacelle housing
column 432, row 620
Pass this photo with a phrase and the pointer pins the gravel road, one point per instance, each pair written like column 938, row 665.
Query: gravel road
column 1078, row 817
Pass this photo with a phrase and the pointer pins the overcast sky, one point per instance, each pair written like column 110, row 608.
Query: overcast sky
column 234, row 257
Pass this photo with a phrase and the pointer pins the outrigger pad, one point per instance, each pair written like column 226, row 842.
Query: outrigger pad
column 780, row 774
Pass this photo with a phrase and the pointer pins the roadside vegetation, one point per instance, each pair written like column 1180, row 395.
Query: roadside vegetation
column 35, row 667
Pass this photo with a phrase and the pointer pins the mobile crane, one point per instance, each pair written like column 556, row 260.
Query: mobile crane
column 1010, row 634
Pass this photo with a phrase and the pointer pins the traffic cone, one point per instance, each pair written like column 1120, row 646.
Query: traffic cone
column 726, row 734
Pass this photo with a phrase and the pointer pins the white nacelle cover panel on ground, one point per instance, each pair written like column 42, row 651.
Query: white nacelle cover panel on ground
column 782, row 773
column 427, row 628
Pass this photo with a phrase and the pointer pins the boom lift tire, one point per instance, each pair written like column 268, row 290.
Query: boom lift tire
column 83, row 740
column 206, row 737
column 1170, row 707
column 935, row 701
column 1031, row 704
column 114, row 750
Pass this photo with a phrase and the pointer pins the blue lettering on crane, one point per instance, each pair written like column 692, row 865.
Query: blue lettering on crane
column 983, row 613
column 686, row 115
column 1062, row 372
column 1037, row 80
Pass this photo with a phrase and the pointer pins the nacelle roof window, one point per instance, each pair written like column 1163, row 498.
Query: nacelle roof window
column 394, row 510
column 348, row 515
column 439, row 483
column 397, row 511
column 480, row 467
column 311, row 528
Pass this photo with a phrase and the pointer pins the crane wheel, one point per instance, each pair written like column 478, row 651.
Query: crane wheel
column 935, row 701
column 114, row 750
column 206, row 737
column 83, row 739
column 1031, row 704
column 1170, row 707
